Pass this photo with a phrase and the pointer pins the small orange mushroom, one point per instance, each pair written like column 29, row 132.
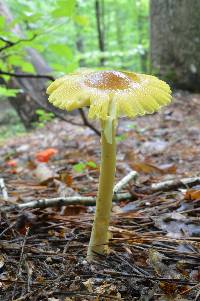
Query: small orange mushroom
column 109, row 94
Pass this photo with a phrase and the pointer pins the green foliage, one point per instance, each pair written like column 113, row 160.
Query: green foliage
column 82, row 166
column 4, row 92
column 120, row 138
column 65, row 33
column 91, row 164
column 43, row 117
column 65, row 8
column 79, row 167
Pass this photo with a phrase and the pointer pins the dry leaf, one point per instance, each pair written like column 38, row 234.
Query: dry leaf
column 192, row 195
column 66, row 178
column 145, row 167
column 89, row 285
column 168, row 288
column 149, row 168
column 72, row 210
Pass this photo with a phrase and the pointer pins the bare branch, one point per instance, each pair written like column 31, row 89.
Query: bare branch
column 27, row 75
column 6, row 41
column 10, row 44
column 87, row 123
column 50, row 77
column 56, row 113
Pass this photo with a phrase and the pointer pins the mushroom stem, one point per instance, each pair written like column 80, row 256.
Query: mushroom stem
column 100, row 235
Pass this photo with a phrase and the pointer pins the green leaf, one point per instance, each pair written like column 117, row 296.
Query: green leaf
column 91, row 164
column 121, row 138
column 62, row 50
column 2, row 22
column 79, row 167
column 44, row 116
column 40, row 112
column 8, row 92
column 16, row 60
column 65, row 8
column 132, row 125
column 58, row 67
column 81, row 20
column 20, row 61
column 71, row 67
column 27, row 67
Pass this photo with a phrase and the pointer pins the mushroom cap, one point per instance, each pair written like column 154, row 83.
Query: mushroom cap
column 109, row 93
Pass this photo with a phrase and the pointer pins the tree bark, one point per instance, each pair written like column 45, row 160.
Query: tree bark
column 175, row 41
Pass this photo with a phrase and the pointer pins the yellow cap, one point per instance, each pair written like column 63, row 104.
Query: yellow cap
column 109, row 93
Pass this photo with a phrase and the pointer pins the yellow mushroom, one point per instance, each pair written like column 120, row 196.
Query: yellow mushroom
column 109, row 94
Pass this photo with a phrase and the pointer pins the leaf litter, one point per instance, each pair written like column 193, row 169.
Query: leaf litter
column 154, row 249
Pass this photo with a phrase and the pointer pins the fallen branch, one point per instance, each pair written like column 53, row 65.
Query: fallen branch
column 121, row 184
column 3, row 189
column 174, row 184
column 59, row 202
column 91, row 201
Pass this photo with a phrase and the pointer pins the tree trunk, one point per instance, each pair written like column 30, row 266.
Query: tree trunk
column 99, row 10
column 119, row 31
column 175, row 41
column 143, row 56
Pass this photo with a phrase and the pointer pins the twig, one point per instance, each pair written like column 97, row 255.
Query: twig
column 5, row 40
column 197, row 296
column 10, row 44
column 80, row 294
column 55, row 112
column 87, row 123
column 27, row 75
column 6, row 229
column 190, row 289
column 121, row 274
column 74, row 200
column 3, row 189
column 123, row 182
column 20, row 263
column 172, row 184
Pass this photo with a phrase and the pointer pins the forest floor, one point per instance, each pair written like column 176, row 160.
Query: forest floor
column 154, row 250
